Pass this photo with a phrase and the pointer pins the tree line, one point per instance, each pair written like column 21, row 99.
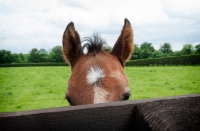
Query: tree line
column 145, row 50
column 34, row 56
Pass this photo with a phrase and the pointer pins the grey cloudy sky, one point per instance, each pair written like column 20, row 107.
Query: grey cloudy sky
column 27, row 24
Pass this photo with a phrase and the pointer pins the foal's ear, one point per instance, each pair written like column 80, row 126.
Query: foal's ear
column 72, row 49
column 123, row 48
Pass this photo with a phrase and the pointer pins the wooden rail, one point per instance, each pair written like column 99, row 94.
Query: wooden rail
column 166, row 114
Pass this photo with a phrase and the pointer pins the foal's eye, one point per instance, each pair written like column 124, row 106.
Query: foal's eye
column 126, row 96
column 68, row 99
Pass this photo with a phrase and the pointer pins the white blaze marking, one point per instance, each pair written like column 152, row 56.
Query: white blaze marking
column 100, row 95
column 94, row 74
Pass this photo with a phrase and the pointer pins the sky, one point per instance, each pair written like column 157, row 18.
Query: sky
column 27, row 24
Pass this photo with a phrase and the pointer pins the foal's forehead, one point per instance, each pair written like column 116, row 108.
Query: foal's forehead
column 96, row 73
column 100, row 66
column 100, row 78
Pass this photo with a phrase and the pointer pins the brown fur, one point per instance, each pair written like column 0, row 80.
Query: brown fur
column 115, row 81
column 124, row 46
column 72, row 49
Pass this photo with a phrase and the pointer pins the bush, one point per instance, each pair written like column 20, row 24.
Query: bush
column 172, row 60
column 33, row 64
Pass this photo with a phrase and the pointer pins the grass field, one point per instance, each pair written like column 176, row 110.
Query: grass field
column 27, row 88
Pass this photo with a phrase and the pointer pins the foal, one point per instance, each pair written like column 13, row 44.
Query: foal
column 97, row 76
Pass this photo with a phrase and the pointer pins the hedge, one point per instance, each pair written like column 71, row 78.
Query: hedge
column 172, row 60
column 176, row 60
column 33, row 64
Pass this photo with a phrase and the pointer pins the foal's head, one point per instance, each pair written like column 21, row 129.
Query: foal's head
column 97, row 76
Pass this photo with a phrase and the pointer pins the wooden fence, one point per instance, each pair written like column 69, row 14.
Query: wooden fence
column 180, row 113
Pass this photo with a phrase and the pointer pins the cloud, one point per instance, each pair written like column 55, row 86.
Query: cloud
column 40, row 24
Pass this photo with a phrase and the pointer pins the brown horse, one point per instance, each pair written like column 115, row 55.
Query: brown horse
column 97, row 76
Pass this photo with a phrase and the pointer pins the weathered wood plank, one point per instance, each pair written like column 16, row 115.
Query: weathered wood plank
column 90, row 117
column 174, row 113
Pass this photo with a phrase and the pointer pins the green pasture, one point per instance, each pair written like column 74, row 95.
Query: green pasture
column 27, row 88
